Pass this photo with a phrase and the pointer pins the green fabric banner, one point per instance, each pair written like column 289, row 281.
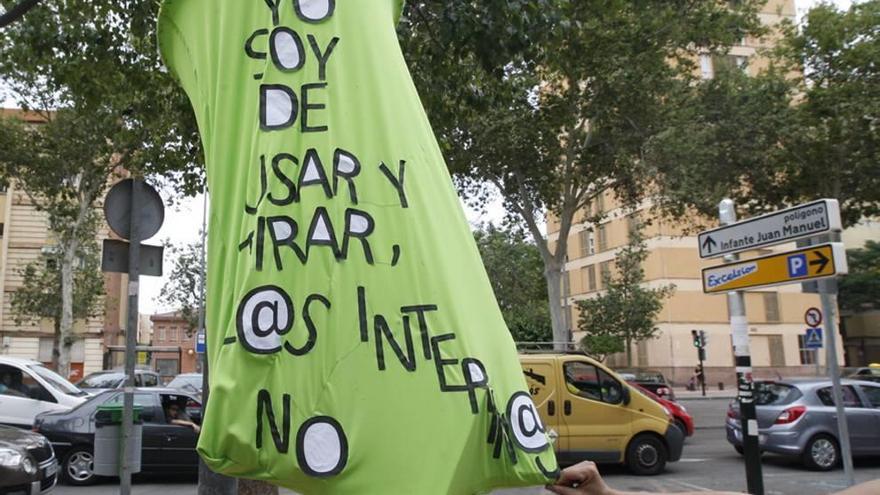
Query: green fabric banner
column 354, row 343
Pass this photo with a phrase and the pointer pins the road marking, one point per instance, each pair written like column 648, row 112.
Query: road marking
column 692, row 460
column 691, row 486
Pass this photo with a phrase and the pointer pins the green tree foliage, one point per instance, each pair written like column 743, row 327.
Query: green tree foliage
column 808, row 127
column 554, row 101
column 625, row 313
column 183, row 290
column 39, row 296
column 517, row 276
column 860, row 289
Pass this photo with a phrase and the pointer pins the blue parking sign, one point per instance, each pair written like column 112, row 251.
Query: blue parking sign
column 813, row 338
column 200, row 342
column 797, row 265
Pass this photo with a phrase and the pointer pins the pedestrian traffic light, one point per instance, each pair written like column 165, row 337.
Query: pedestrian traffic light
column 704, row 338
column 697, row 338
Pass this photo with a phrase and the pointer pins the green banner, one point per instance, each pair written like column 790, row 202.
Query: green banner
column 354, row 342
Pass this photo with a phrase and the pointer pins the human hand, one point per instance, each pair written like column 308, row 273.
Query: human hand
column 581, row 479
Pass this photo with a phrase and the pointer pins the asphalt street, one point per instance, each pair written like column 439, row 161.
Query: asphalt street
column 709, row 463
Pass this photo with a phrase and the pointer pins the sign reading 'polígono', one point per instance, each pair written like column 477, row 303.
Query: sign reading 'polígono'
column 782, row 226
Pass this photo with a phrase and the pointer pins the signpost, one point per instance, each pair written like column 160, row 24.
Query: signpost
column 815, row 262
column 822, row 261
column 779, row 227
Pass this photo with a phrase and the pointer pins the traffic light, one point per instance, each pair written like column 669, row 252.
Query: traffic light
column 697, row 338
column 704, row 338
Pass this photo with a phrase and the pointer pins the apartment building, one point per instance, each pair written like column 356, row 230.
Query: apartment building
column 172, row 331
column 25, row 235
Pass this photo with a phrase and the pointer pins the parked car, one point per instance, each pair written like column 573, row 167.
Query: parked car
column 109, row 379
column 166, row 447
column 870, row 373
column 683, row 419
column 28, row 388
column 650, row 379
column 188, row 382
column 798, row 418
column 598, row 416
column 27, row 462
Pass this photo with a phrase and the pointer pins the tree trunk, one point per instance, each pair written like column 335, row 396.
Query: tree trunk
column 629, row 353
column 553, row 275
column 68, row 259
column 56, row 342
column 253, row 487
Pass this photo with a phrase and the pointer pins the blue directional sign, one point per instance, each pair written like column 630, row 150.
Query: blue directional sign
column 813, row 339
column 200, row 341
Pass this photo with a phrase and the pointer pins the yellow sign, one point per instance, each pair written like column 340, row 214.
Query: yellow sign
column 825, row 260
column 141, row 357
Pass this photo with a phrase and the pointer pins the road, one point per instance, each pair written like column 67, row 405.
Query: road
column 709, row 463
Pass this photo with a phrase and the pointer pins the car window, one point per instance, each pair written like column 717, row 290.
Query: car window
column 56, row 380
column 775, row 394
column 150, row 380
column 873, row 395
column 18, row 383
column 612, row 392
column 850, row 399
column 148, row 402
column 102, row 380
column 581, row 379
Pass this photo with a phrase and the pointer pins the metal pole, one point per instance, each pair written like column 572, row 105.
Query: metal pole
column 745, row 387
column 210, row 483
column 130, row 342
column 828, row 294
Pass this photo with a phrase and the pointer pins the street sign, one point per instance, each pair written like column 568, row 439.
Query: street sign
column 814, row 262
column 782, row 226
column 118, row 211
column 200, row 341
column 114, row 258
column 813, row 317
column 813, row 339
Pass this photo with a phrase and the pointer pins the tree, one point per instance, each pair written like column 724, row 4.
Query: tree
column 554, row 101
column 90, row 70
column 515, row 271
column 625, row 313
column 860, row 289
column 808, row 127
column 183, row 290
column 39, row 297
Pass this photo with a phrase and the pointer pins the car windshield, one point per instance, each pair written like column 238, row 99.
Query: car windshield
column 101, row 380
column 775, row 394
column 56, row 380
column 190, row 382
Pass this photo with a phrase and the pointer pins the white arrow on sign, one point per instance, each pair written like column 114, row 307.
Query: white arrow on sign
column 806, row 220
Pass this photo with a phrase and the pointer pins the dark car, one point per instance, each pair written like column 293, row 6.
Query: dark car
column 798, row 418
column 109, row 379
column 167, row 447
column 27, row 462
column 649, row 379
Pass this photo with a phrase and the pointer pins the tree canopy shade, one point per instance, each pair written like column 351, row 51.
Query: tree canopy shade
column 517, row 276
column 860, row 289
column 808, row 127
column 553, row 101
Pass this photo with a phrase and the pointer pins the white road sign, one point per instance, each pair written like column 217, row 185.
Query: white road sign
column 806, row 220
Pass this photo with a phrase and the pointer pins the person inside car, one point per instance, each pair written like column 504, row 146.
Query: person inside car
column 175, row 416
column 8, row 385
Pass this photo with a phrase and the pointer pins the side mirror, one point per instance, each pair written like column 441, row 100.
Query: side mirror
column 627, row 398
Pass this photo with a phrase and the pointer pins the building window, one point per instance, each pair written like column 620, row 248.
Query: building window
column 166, row 367
column 603, row 238
column 605, row 270
column 163, row 334
column 590, row 279
column 45, row 354
column 808, row 356
column 771, row 307
column 175, row 334
column 730, row 62
column 585, row 239
column 706, row 68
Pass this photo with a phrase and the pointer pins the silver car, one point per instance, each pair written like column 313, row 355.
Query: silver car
column 798, row 417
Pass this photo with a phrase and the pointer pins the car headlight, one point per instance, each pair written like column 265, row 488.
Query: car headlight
column 683, row 409
column 668, row 412
column 29, row 466
column 10, row 458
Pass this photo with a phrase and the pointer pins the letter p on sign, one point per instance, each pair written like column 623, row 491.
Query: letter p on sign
column 797, row 265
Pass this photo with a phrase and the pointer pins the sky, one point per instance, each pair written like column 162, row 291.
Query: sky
column 183, row 221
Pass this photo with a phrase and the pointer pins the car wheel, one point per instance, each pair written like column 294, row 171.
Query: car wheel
column 821, row 453
column 646, row 455
column 739, row 449
column 78, row 467
column 681, row 426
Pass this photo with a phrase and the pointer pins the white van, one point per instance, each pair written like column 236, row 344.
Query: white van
column 27, row 388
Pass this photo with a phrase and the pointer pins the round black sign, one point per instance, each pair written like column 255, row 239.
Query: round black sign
column 149, row 209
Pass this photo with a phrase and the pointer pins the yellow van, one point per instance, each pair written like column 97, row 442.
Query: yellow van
column 597, row 416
